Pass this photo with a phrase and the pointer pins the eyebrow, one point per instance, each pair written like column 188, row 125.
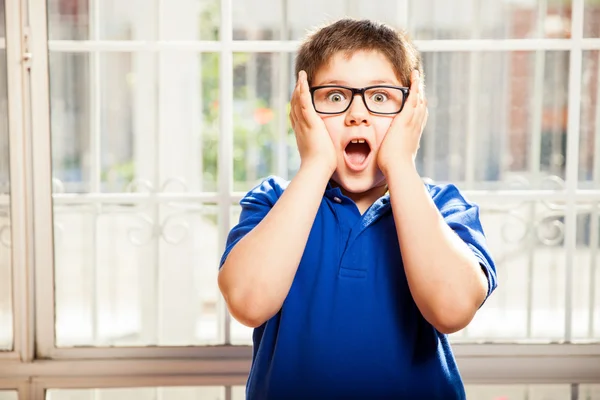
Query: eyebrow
column 344, row 83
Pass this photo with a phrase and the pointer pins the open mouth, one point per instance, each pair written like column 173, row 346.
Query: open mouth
column 356, row 153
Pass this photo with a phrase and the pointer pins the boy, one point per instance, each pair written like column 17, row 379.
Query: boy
column 354, row 273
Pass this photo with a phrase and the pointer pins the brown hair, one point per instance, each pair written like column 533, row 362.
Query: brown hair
column 349, row 36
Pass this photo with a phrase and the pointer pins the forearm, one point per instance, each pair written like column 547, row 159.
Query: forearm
column 259, row 271
column 444, row 276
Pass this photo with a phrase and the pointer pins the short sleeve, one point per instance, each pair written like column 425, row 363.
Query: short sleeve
column 463, row 217
column 256, row 204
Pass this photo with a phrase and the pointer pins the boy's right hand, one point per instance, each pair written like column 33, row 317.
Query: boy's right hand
column 314, row 143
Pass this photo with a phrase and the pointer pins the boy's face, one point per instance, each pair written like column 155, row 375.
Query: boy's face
column 357, row 170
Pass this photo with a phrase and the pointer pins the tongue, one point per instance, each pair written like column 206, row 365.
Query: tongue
column 357, row 152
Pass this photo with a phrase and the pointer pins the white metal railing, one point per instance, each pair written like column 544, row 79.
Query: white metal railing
column 225, row 141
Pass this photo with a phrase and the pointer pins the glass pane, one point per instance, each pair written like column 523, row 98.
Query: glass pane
column 189, row 120
column 519, row 392
column 591, row 19
column 291, row 19
column 124, row 121
column 136, row 274
column 589, row 158
column 191, row 20
column 103, row 120
column 101, row 20
column 586, row 274
column 238, row 393
column 264, row 143
column 479, row 19
column 2, row 26
column 9, row 395
column 527, row 240
column 6, row 314
column 137, row 20
column 71, row 120
column 431, row 19
column 497, row 119
column 589, row 392
column 107, row 132
column 69, row 20
column 163, row 393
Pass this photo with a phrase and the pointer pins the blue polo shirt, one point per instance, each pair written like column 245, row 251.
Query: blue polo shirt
column 349, row 327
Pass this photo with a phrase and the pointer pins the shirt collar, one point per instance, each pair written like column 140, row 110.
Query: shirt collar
column 331, row 192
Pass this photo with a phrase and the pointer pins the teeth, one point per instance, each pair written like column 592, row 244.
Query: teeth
column 361, row 141
column 355, row 141
column 358, row 141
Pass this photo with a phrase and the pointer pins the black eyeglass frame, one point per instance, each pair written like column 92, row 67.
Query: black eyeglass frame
column 405, row 91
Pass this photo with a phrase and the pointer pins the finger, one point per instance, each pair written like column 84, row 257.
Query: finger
column 295, row 115
column 292, row 119
column 414, row 90
column 292, row 115
column 294, row 105
column 308, row 110
column 425, row 119
column 420, row 117
column 297, row 99
column 304, row 90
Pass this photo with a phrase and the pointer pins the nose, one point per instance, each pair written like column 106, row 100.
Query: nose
column 357, row 113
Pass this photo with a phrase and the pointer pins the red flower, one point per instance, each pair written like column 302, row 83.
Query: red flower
column 263, row 116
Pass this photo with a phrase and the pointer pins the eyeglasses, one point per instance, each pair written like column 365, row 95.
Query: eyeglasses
column 380, row 99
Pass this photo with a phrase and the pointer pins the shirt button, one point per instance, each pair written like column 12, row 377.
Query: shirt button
column 337, row 199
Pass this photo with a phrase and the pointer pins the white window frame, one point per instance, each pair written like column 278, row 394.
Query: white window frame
column 21, row 201
column 36, row 364
column 21, row 386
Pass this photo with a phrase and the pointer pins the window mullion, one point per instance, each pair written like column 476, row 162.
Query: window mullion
column 572, row 162
column 535, row 156
column 41, row 179
column 595, row 218
column 473, row 100
column 291, row 46
column 281, row 90
column 20, row 189
column 225, row 150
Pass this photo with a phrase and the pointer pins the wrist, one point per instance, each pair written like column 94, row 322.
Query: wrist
column 317, row 170
column 399, row 165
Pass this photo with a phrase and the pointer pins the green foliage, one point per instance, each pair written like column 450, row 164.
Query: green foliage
column 248, row 133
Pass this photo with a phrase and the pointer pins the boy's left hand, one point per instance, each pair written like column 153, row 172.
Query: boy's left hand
column 401, row 141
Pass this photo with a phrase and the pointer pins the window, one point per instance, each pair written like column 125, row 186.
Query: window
column 6, row 316
column 143, row 124
column 8, row 395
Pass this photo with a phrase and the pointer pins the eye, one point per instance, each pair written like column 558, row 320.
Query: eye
column 336, row 97
column 379, row 97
